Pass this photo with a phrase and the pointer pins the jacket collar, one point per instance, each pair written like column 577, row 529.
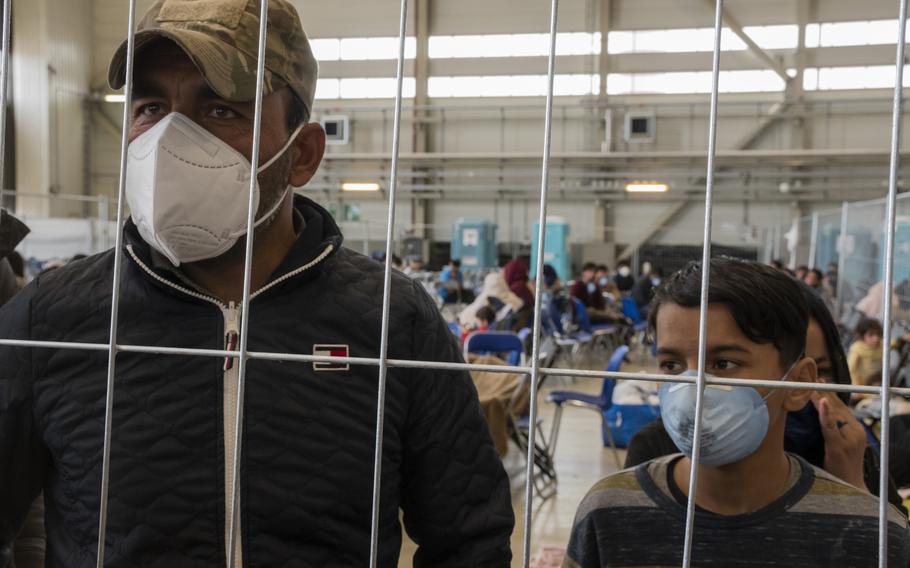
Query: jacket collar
column 319, row 233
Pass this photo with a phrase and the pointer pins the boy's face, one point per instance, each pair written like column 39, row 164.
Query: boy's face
column 729, row 354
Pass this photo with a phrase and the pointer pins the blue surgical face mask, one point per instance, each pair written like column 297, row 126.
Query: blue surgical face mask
column 655, row 282
column 734, row 419
column 592, row 287
column 603, row 281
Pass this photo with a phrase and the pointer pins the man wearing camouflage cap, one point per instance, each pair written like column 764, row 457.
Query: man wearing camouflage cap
column 308, row 437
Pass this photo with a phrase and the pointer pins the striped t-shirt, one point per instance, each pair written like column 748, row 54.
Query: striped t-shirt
column 637, row 517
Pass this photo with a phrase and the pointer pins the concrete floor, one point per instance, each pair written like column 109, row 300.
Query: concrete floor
column 581, row 461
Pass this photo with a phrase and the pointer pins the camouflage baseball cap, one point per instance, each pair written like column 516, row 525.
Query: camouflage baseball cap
column 221, row 37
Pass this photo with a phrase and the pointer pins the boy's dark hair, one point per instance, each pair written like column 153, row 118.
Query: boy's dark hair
column 767, row 305
column 818, row 273
column 588, row 266
column 486, row 313
column 455, row 262
column 603, row 268
column 868, row 324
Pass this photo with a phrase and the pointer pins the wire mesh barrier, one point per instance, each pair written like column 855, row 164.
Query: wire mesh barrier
column 823, row 239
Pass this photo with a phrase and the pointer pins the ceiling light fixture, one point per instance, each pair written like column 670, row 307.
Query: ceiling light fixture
column 646, row 187
column 360, row 186
column 115, row 98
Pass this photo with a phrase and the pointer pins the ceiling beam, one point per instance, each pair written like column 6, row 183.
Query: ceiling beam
column 754, row 48
column 657, row 223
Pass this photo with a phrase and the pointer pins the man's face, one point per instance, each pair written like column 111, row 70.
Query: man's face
column 729, row 353
column 167, row 81
column 813, row 280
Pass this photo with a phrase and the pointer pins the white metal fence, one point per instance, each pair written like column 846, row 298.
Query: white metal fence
column 383, row 363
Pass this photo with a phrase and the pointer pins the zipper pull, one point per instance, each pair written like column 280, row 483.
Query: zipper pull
column 231, row 334
column 230, row 344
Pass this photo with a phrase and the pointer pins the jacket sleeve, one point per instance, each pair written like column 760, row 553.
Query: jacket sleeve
column 455, row 495
column 22, row 455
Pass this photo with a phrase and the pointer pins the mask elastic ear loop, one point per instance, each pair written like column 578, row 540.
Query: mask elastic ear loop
column 282, row 150
column 786, row 376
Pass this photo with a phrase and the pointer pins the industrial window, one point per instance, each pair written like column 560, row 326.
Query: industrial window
column 844, row 34
column 361, row 48
column 843, row 78
column 512, row 86
column 682, row 82
column 512, row 45
column 687, row 40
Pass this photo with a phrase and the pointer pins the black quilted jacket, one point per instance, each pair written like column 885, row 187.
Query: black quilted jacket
column 308, row 439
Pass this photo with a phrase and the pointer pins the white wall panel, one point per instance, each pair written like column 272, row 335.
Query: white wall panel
column 52, row 66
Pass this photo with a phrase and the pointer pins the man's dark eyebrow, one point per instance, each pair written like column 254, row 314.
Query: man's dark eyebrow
column 144, row 89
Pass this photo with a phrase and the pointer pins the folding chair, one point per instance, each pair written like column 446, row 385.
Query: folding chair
column 597, row 402
column 512, row 346
column 604, row 334
column 639, row 323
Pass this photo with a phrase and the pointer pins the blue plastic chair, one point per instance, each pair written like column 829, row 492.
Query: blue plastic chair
column 596, row 402
column 455, row 329
column 495, row 342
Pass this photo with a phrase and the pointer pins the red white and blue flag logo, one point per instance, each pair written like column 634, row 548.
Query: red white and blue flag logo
column 330, row 351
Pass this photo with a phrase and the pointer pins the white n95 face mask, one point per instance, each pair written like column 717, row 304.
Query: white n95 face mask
column 188, row 190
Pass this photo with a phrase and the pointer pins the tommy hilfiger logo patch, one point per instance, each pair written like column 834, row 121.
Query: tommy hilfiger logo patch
column 330, row 351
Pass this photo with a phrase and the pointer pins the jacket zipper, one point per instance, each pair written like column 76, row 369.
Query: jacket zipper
column 232, row 315
column 231, row 338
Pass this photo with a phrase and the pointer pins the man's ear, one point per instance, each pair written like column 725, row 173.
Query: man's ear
column 805, row 371
column 307, row 151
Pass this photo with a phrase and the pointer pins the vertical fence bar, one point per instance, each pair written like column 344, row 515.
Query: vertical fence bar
column 889, row 289
column 841, row 247
column 247, row 279
column 4, row 85
column 387, row 289
column 813, row 240
column 115, row 292
column 538, row 284
column 705, row 276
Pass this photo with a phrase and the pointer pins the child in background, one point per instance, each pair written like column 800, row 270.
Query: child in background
column 485, row 317
column 865, row 355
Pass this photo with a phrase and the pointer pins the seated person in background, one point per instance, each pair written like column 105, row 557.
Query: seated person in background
column 643, row 290
column 496, row 290
column 623, row 279
column 751, row 493
column 607, row 288
column 485, row 318
column 865, row 355
column 810, row 433
column 451, row 288
column 816, row 280
column 801, row 272
column 588, row 292
column 414, row 267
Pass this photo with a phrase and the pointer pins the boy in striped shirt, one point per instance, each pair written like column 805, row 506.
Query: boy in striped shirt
column 756, row 505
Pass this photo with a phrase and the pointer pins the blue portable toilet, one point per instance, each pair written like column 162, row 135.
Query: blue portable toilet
column 555, row 248
column 474, row 243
